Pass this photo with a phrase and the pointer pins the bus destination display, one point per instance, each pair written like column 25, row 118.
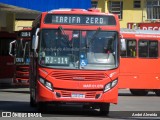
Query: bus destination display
column 80, row 19
column 25, row 34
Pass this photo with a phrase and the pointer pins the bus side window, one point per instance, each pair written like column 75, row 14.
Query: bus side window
column 130, row 49
column 148, row 48
column 143, row 49
column 153, row 49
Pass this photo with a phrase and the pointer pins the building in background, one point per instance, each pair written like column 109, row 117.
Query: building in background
column 94, row 3
column 132, row 10
column 18, row 14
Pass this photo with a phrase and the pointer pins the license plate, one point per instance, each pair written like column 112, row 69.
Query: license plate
column 23, row 81
column 75, row 95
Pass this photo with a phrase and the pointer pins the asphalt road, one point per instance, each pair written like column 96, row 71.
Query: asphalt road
column 15, row 101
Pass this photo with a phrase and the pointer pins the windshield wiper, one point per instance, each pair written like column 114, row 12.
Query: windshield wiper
column 92, row 38
column 65, row 36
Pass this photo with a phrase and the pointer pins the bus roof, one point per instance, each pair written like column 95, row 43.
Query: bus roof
column 77, row 19
column 138, row 31
column 140, row 34
column 77, row 11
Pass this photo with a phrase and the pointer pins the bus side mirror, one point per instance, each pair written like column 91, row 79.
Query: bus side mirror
column 11, row 48
column 123, row 44
column 35, row 40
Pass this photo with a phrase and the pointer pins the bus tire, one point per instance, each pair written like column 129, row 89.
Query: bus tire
column 157, row 92
column 104, row 109
column 138, row 92
column 86, row 106
column 32, row 102
column 42, row 107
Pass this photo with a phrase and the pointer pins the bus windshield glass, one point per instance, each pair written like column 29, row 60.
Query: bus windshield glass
column 78, row 49
column 22, row 51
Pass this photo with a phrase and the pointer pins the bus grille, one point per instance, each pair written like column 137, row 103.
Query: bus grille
column 87, row 94
column 85, row 76
column 23, row 69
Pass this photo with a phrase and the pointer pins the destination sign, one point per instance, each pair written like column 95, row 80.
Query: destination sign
column 57, row 60
column 19, row 60
column 25, row 34
column 80, row 19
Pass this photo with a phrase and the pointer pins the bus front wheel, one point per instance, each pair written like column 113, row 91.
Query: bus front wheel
column 32, row 102
column 138, row 92
column 104, row 109
column 42, row 107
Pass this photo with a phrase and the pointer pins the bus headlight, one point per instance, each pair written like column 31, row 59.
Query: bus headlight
column 107, row 87
column 46, row 83
column 114, row 83
column 110, row 85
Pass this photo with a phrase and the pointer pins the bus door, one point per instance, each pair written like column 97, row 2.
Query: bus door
column 128, row 67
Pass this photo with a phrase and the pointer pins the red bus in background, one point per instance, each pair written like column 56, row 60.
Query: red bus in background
column 74, row 59
column 140, row 61
column 20, row 49
column 144, row 26
column 6, row 61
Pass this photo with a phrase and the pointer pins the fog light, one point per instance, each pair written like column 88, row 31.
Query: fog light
column 58, row 94
column 97, row 96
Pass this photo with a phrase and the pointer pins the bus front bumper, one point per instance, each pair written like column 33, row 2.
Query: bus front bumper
column 79, row 96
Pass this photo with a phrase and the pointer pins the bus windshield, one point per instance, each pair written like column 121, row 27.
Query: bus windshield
column 22, row 51
column 78, row 49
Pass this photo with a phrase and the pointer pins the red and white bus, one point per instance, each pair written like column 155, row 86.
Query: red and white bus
column 74, row 58
column 20, row 49
column 140, row 61
column 6, row 61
